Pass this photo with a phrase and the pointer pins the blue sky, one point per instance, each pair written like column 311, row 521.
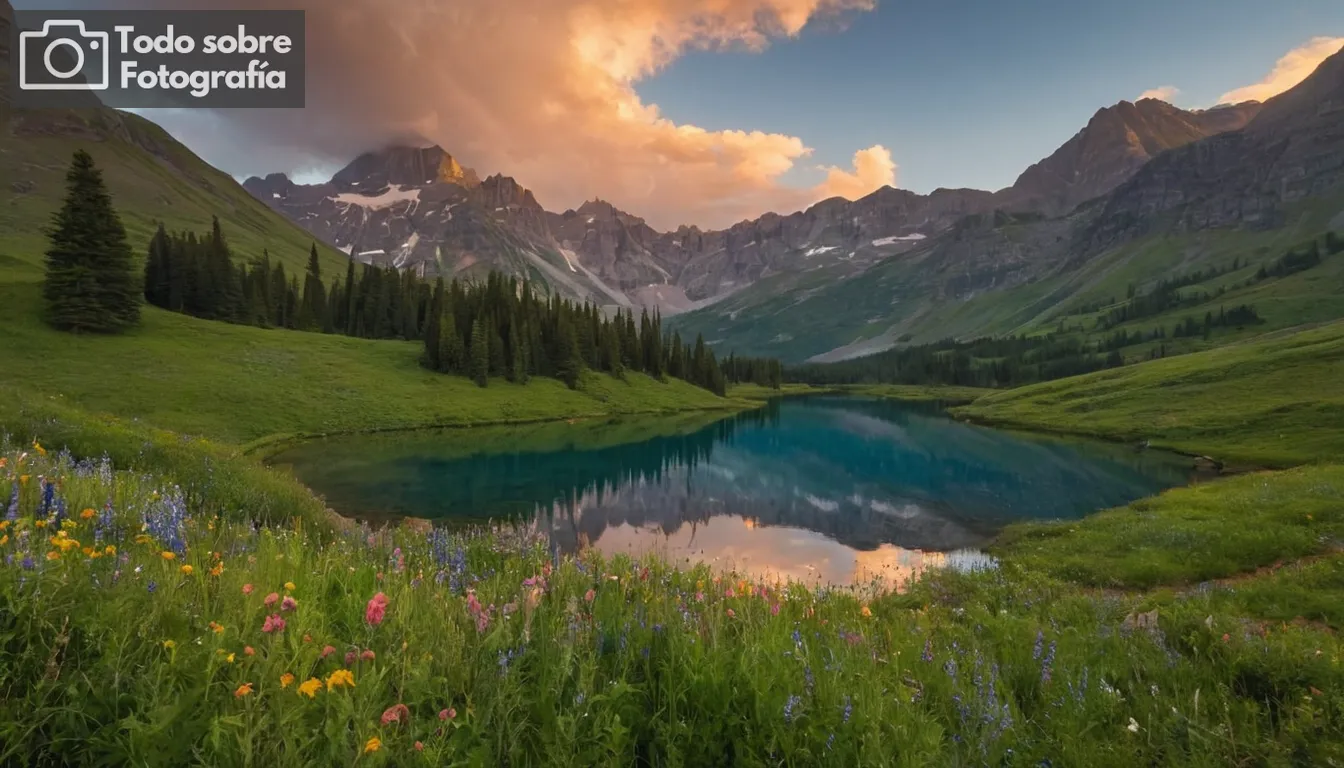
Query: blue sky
column 970, row 92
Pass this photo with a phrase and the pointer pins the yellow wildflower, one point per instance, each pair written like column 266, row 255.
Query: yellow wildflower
column 310, row 687
column 229, row 658
column 69, row 524
column 372, row 745
column 53, row 555
column 109, row 550
column 142, row 539
column 167, row 555
column 3, row 462
column 286, row 680
column 289, row 586
column 242, row 691
column 169, row 644
column 340, row 677
column 4, row 524
column 40, row 524
column 865, row 611
column 4, row 540
column 87, row 514
column 23, row 479
column 186, row 570
column 218, row 569
column 38, row 447
column 88, row 551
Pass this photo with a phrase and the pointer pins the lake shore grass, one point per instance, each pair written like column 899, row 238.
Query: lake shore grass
column 758, row 392
column 1273, row 401
column 918, row 393
column 263, row 389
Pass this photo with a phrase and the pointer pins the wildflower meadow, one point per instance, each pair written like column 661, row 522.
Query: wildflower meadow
column 144, row 623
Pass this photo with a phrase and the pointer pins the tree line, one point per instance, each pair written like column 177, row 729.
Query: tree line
column 501, row 327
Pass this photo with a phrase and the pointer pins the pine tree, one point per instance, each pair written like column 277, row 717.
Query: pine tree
column 452, row 355
column 480, row 354
column 91, row 285
column 569, row 363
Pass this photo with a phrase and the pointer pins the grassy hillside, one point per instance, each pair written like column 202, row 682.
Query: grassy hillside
column 240, row 384
column 152, row 178
column 1274, row 401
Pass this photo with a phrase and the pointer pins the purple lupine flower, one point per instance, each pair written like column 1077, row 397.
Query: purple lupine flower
column 789, row 707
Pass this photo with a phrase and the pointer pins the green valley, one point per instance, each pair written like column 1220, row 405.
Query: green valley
column 342, row 473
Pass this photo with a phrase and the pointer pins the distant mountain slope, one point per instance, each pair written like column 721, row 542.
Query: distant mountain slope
column 1112, row 147
column 1246, row 195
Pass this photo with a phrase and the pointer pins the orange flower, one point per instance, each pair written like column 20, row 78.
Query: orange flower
column 216, row 628
column 866, row 611
column 242, row 691
column 166, row 555
column 186, row 570
column 310, row 687
column 286, row 680
column 53, row 555
column 373, row 744
column 339, row 678
column 87, row 514
column 217, row 569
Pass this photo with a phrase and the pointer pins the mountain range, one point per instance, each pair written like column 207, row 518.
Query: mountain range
column 419, row 208
column 1145, row 191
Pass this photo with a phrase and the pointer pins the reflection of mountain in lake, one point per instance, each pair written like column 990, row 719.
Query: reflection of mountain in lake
column 858, row 472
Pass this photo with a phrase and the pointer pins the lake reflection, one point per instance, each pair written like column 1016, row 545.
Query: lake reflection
column 820, row 489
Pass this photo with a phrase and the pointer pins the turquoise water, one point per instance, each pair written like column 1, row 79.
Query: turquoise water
column 831, row 489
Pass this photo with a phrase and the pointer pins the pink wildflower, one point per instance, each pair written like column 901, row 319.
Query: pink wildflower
column 774, row 609
column 419, row 746
column 327, row 651
column 729, row 592
column 247, row 589
column 367, row 655
column 248, row 651
column 443, row 714
column 589, row 596
column 288, row 603
column 373, row 613
column 699, row 597
column 731, row 613
column 273, row 623
column 350, row 657
column 397, row 713
column 271, row 599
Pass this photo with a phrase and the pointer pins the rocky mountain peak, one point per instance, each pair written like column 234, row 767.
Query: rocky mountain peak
column 404, row 166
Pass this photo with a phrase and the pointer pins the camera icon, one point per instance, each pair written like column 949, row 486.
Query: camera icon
column 53, row 59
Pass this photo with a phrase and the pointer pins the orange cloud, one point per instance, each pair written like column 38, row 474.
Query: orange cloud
column 873, row 168
column 542, row 90
column 1291, row 69
column 1161, row 93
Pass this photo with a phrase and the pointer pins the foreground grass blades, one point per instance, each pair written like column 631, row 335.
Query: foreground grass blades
column 262, row 645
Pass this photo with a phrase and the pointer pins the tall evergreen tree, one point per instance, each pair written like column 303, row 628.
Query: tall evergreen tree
column 480, row 353
column 91, row 285
column 452, row 355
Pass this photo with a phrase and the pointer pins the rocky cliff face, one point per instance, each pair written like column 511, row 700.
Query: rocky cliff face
column 1292, row 149
column 1115, row 144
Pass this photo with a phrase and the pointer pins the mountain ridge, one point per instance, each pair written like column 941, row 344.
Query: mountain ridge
column 618, row 258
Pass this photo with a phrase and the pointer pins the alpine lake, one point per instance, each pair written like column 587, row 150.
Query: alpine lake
column 824, row 489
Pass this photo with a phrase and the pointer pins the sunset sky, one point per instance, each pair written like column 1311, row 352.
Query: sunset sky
column 710, row 111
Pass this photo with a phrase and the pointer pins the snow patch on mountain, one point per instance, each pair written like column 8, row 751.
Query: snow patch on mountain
column 881, row 241
column 393, row 195
column 819, row 250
